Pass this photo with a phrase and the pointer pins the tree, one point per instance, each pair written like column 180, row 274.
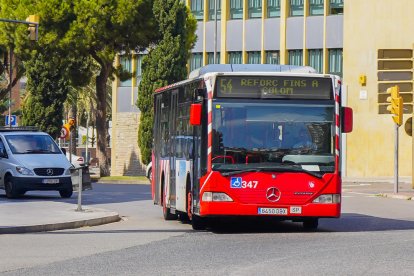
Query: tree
column 89, row 29
column 48, row 90
column 166, row 63
column 100, row 30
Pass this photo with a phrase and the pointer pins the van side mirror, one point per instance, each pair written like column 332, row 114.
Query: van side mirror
column 347, row 119
column 195, row 114
column 63, row 150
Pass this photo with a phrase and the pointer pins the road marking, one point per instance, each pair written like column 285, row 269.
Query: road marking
column 355, row 185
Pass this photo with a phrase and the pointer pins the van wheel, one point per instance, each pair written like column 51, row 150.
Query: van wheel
column 10, row 187
column 66, row 193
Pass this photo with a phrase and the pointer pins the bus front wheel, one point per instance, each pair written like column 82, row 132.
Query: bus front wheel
column 311, row 224
column 198, row 223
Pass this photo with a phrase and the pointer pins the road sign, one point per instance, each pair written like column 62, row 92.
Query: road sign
column 64, row 132
column 13, row 121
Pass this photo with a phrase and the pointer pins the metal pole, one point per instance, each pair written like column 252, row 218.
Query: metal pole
column 396, row 160
column 11, row 81
column 215, row 32
column 70, row 146
column 412, row 152
column 80, row 191
column 87, row 140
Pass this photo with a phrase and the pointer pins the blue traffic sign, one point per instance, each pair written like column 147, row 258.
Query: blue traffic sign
column 13, row 121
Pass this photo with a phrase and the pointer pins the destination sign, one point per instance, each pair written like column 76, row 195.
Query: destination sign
column 274, row 87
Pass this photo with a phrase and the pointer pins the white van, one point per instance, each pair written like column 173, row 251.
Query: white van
column 31, row 160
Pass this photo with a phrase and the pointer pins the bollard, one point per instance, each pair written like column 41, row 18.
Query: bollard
column 79, row 209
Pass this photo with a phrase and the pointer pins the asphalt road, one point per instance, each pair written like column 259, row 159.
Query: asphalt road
column 375, row 236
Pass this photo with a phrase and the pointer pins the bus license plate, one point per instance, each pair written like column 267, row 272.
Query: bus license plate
column 272, row 211
column 50, row 181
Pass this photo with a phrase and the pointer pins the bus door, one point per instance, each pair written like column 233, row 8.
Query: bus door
column 173, row 147
column 156, row 174
column 200, row 156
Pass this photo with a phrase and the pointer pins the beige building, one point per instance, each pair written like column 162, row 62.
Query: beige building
column 378, row 45
column 367, row 42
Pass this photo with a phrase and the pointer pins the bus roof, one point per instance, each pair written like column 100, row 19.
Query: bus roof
column 238, row 69
column 224, row 68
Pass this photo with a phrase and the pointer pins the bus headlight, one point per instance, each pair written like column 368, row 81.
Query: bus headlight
column 328, row 198
column 213, row 196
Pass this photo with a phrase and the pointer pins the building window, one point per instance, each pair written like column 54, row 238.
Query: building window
column 336, row 7
column 316, row 7
column 254, row 57
column 296, row 8
column 210, row 58
column 211, row 14
column 197, row 9
column 255, row 8
column 139, row 68
column 295, row 57
column 235, row 58
column 316, row 59
column 335, row 62
column 272, row 57
column 236, row 9
column 126, row 65
column 196, row 61
column 273, row 8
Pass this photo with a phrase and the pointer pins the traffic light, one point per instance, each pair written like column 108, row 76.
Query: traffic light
column 396, row 106
column 32, row 29
column 72, row 121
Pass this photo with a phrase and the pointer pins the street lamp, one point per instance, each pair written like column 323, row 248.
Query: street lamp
column 33, row 22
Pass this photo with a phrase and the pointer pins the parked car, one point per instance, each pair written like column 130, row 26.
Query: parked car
column 31, row 160
column 148, row 172
column 77, row 161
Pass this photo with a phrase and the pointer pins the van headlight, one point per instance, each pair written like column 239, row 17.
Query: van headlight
column 67, row 172
column 24, row 171
column 328, row 198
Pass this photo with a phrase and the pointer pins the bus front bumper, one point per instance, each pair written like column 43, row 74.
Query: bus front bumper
column 325, row 210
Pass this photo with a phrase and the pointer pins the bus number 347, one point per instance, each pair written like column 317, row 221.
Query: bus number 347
column 249, row 184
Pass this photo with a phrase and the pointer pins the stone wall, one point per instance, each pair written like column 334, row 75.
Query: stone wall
column 125, row 152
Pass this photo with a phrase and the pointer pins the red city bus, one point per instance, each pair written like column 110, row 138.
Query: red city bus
column 249, row 140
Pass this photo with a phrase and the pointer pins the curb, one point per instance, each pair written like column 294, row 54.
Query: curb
column 119, row 182
column 394, row 196
column 60, row 225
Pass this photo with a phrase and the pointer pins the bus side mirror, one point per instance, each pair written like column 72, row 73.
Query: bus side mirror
column 195, row 114
column 347, row 120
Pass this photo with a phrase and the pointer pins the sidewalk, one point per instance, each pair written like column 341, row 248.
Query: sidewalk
column 23, row 216
column 380, row 186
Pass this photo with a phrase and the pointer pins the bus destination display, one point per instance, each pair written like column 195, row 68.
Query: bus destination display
column 274, row 87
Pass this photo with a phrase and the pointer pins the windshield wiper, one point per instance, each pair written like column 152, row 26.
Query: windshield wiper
column 240, row 171
column 274, row 169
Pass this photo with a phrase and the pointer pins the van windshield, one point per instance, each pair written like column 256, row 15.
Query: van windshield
column 33, row 144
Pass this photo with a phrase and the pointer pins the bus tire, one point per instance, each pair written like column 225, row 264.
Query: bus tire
column 198, row 223
column 311, row 224
column 165, row 210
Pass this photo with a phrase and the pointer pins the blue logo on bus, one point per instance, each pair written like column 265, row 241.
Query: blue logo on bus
column 236, row 182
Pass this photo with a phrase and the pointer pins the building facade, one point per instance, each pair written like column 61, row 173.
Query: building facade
column 369, row 43
column 378, row 53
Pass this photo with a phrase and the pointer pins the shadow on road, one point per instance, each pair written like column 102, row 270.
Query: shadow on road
column 348, row 222
column 101, row 194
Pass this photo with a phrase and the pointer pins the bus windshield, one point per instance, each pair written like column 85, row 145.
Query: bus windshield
column 250, row 135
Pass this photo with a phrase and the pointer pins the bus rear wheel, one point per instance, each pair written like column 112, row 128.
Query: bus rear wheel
column 311, row 224
column 167, row 211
